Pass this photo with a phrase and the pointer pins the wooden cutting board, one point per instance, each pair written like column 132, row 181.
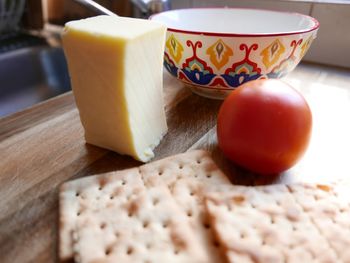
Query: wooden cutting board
column 43, row 146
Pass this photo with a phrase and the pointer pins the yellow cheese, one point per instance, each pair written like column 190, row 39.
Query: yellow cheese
column 115, row 66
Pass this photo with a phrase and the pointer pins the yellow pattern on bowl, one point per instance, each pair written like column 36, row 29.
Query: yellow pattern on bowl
column 213, row 63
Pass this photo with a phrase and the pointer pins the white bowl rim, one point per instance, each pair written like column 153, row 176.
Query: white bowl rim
column 285, row 33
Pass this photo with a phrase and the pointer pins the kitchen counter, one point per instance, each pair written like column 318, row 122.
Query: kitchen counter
column 43, row 146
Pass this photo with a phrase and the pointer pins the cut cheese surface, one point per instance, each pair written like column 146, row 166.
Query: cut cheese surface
column 115, row 66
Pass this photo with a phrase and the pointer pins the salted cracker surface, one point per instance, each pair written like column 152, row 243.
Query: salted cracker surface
column 148, row 227
column 266, row 224
column 184, row 209
column 187, row 176
column 328, row 206
column 79, row 198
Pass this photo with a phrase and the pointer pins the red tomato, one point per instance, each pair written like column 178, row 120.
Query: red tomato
column 264, row 126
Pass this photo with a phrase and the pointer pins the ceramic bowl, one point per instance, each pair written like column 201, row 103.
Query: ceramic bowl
column 214, row 50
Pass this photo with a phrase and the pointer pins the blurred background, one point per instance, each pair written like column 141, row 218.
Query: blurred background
column 333, row 41
column 32, row 63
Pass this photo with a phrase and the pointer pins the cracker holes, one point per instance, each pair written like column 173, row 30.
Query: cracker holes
column 176, row 251
column 103, row 225
column 165, row 224
column 189, row 213
column 123, row 182
column 272, row 220
column 181, row 166
column 130, row 214
column 209, row 176
column 148, row 245
column 179, row 177
column 129, row 251
column 317, row 198
column 145, row 224
column 108, row 251
column 242, row 235
column 79, row 212
column 266, row 191
column 160, row 173
column 306, row 209
column 111, row 197
column 313, row 256
column 199, row 161
column 334, row 220
column 77, row 194
column 171, row 188
column 216, row 243
column 117, row 234
column 294, row 228
column 155, row 201
column 206, row 225
column 291, row 190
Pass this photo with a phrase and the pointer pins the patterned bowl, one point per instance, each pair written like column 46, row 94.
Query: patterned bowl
column 214, row 50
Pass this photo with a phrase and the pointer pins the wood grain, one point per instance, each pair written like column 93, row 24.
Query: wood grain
column 43, row 146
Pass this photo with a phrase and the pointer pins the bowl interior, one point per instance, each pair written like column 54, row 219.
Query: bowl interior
column 236, row 21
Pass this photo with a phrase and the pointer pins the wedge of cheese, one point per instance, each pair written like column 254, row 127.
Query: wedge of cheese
column 115, row 65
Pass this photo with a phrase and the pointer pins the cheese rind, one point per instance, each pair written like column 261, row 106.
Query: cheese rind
column 115, row 65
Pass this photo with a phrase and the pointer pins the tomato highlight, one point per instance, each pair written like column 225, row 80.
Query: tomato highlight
column 264, row 126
